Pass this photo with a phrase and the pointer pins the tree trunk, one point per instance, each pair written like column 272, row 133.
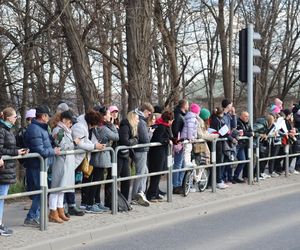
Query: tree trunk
column 79, row 56
column 138, row 38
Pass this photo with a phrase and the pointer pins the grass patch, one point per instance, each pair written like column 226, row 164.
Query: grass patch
column 18, row 187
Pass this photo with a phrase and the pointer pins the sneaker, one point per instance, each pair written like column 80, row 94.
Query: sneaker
column 4, row 231
column 177, row 190
column 265, row 175
column 102, row 207
column 83, row 206
column 142, row 200
column 261, row 177
column 160, row 197
column 193, row 190
column 238, row 180
column 75, row 211
column 222, row 185
column 295, row 172
column 153, row 199
column 94, row 209
column 162, row 192
column 31, row 223
column 274, row 175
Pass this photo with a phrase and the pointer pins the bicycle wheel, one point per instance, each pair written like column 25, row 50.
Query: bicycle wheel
column 187, row 182
column 203, row 180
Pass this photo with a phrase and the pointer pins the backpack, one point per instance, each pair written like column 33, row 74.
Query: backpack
column 123, row 204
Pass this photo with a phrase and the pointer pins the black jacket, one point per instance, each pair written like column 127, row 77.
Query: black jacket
column 126, row 138
column 247, row 131
column 158, row 156
column 7, row 147
column 178, row 122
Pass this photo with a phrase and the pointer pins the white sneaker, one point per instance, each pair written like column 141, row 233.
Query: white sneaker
column 222, row 185
column 193, row 190
column 295, row 172
column 265, row 175
column 274, row 175
column 142, row 200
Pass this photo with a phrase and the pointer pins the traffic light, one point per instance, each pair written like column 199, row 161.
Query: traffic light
column 246, row 53
column 243, row 55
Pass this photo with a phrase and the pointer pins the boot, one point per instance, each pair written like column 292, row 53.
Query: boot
column 53, row 217
column 61, row 214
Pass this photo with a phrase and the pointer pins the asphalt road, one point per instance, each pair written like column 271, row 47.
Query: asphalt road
column 272, row 224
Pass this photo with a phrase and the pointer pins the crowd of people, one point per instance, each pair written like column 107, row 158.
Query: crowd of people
column 102, row 127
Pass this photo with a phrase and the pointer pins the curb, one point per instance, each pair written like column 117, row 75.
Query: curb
column 178, row 215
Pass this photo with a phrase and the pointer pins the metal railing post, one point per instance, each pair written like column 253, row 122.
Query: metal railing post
column 44, row 187
column 257, row 159
column 170, row 175
column 214, row 168
column 251, row 163
column 114, row 174
column 287, row 159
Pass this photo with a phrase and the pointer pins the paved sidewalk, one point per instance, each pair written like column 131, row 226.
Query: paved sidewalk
column 91, row 226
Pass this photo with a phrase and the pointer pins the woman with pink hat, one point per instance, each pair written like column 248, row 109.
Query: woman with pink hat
column 114, row 111
column 189, row 131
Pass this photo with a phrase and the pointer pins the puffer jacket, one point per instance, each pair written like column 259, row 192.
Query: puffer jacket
column 126, row 138
column 37, row 139
column 7, row 147
column 190, row 127
column 106, row 134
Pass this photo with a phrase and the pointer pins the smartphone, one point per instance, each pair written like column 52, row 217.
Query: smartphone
column 82, row 137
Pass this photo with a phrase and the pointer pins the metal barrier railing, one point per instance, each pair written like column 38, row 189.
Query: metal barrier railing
column 43, row 184
column 286, row 156
column 93, row 183
column 114, row 153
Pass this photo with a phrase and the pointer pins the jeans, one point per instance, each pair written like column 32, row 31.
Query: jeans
column 178, row 164
column 139, row 185
column 70, row 199
column 33, row 183
column 242, row 154
column 3, row 191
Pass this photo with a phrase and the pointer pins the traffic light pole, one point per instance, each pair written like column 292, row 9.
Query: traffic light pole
column 250, row 95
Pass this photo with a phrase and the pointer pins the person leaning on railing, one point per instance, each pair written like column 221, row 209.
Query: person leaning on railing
column 127, row 137
column 37, row 139
column 63, row 167
column 264, row 127
column 7, row 168
column 158, row 156
column 80, row 130
column 244, row 129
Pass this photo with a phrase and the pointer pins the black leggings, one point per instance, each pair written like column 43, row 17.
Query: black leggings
column 91, row 195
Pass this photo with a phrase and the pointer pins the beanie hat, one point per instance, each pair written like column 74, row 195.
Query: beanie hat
column 195, row 108
column 62, row 107
column 43, row 109
column 30, row 113
column 225, row 103
column 274, row 109
column 204, row 114
column 113, row 108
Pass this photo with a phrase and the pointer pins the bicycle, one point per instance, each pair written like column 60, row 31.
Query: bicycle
column 196, row 177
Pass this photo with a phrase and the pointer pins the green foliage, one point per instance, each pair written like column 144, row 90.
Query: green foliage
column 18, row 187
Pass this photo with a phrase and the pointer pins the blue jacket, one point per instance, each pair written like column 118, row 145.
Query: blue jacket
column 37, row 139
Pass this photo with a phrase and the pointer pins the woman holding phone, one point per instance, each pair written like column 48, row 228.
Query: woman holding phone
column 8, row 146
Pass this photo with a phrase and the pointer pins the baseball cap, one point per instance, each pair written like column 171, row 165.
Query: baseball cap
column 30, row 113
column 113, row 108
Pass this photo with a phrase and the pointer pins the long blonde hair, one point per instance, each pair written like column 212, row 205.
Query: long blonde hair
column 131, row 117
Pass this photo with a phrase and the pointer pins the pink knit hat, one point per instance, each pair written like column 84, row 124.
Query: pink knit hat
column 195, row 108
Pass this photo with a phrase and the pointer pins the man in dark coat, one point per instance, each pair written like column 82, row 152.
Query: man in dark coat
column 37, row 139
